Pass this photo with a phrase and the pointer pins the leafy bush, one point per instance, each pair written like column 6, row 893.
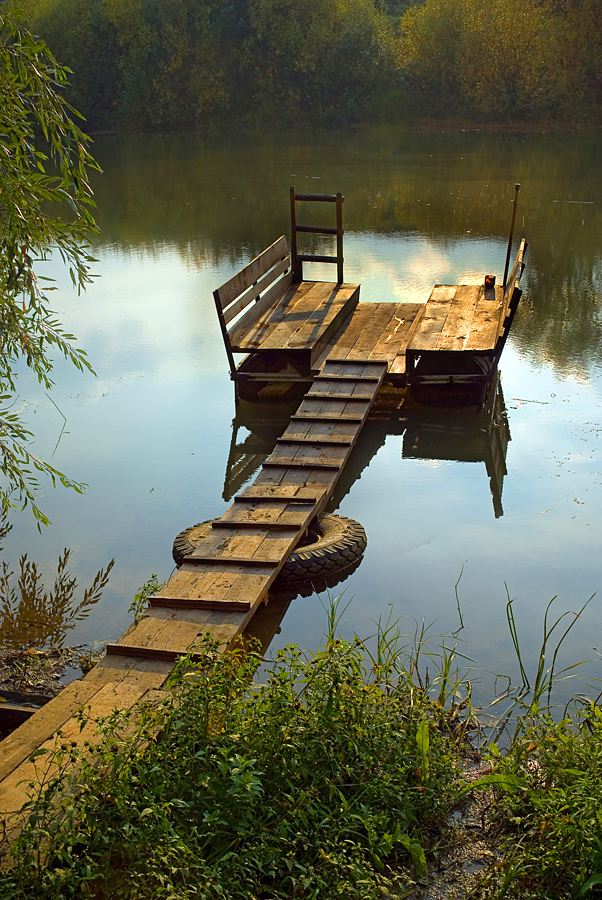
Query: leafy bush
column 310, row 785
column 551, row 831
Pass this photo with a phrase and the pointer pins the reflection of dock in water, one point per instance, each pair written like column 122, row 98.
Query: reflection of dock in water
column 463, row 434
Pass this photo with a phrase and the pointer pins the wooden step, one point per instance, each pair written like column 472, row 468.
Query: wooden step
column 324, row 376
column 234, row 524
column 303, row 464
column 315, row 439
column 147, row 652
column 232, row 560
column 326, row 417
column 278, row 498
column 195, row 603
column 346, row 397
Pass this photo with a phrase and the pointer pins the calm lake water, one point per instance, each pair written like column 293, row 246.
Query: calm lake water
column 151, row 433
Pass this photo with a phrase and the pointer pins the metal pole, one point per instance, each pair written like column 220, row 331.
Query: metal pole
column 516, row 190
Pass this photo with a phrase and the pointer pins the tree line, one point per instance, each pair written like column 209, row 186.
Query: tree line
column 178, row 64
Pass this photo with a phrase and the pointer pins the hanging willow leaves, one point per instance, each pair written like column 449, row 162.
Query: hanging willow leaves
column 45, row 207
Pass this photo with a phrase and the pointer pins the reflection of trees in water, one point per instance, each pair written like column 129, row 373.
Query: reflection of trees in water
column 218, row 198
column 34, row 617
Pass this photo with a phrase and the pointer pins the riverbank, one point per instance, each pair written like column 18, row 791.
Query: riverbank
column 349, row 770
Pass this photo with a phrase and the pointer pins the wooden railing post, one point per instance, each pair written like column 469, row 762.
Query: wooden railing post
column 296, row 263
column 340, row 238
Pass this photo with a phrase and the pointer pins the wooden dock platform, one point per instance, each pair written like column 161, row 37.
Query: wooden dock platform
column 289, row 327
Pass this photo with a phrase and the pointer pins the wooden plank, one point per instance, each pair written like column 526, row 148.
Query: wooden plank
column 313, row 439
column 302, row 464
column 233, row 524
column 271, row 318
column 229, row 560
column 361, row 367
column 322, row 430
column 196, row 603
column 395, row 337
column 238, row 335
column 312, row 257
column 310, row 316
column 295, row 452
column 316, row 229
column 252, row 272
column 255, row 290
column 361, row 316
column 337, row 395
column 398, row 366
column 484, row 329
column 345, row 378
column 456, row 331
column 146, row 652
column 433, row 319
column 250, row 494
column 369, row 336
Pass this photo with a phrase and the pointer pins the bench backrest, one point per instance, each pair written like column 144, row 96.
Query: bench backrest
column 242, row 300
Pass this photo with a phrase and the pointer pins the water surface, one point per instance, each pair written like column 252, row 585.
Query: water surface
column 151, row 433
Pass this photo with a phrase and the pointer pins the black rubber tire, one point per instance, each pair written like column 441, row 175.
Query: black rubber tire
column 336, row 543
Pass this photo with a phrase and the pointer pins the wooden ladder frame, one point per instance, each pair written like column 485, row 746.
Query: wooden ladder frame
column 297, row 259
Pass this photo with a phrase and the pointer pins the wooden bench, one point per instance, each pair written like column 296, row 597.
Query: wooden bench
column 281, row 321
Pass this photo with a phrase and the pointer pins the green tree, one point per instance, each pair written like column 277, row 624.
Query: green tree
column 45, row 207
column 508, row 60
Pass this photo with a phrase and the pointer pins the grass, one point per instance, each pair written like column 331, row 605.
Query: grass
column 334, row 777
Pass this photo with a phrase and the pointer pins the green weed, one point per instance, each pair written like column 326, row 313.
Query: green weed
column 334, row 777
column 551, row 830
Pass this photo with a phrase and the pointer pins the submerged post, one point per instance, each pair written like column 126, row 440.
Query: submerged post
column 516, row 190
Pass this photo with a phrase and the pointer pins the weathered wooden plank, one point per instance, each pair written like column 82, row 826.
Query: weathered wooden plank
column 320, row 430
column 252, row 272
column 255, row 290
column 456, row 331
column 370, row 334
column 145, row 652
column 316, row 439
column 224, row 560
column 305, row 453
column 354, row 327
column 395, row 337
column 362, row 367
column 233, row 524
column 196, row 603
column 258, row 494
column 333, row 301
column 344, row 378
column 485, row 325
column 238, row 337
column 433, row 319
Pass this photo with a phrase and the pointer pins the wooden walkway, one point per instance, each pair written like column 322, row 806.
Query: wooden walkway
column 221, row 585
